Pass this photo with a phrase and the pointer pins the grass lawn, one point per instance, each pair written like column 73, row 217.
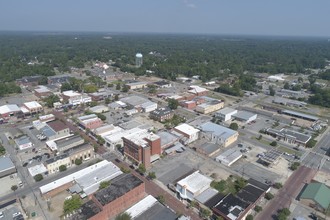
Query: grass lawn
column 289, row 151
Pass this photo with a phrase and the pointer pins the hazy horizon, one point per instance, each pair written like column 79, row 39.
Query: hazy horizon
column 297, row 18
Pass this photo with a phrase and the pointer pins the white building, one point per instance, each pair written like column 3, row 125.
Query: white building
column 99, row 109
column 190, row 133
column 76, row 98
column 33, row 107
column 116, row 138
column 229, row 157
column 193, row 185
column 149, row 106
column 245, row 116
column 225, row 114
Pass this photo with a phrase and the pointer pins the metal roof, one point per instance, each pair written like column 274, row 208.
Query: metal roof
column 318, row 192
column 302, row 115
column 6, row 164
column 244, row 115
column 195, row 183
column 226, row 111
column 9, row 108
column 217, row 130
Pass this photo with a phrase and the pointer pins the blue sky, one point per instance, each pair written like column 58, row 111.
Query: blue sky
column 252, row 17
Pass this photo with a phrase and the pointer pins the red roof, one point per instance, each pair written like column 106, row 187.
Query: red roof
column 57, row 125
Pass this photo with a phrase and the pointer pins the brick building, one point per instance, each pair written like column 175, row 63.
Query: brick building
column 90, row 121
column 142, row 147
column 162, row 114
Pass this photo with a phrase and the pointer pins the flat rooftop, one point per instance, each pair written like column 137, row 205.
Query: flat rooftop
column 244, row 115
column 119, row 187
column 6, row 164
column 300, row 115
column 57, row 125
column 226, row 111
column 157, row 212
column 134, row 100
column 195, row 182
column 187, row 129
column 61, row 143
column 217, row 130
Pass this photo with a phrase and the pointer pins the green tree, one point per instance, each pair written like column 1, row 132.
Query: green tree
column 249, row 217
column 38, row 177
column 2, row 150
column 142, row 168
column 258, row 208
column 125, row 88
column 14, row 187
column 62, row 168
column 173, row 103
column 123, row 216
column 100, row 140
column 273, row 143
column 286, row 85
column 72, row 204
column 152, row 175
column 116, row 97
column 161, row 199
column 311, row 143
column 104, row 184
column 93, row 103
column 107, row 101
column 101, row 116
column 205, row 213
column 233, row 126
column 118, row 86
column 269, row 196
column 277, row 185
column 50, row 100
column 78, row 161
column 294, row 166
column 271, row 91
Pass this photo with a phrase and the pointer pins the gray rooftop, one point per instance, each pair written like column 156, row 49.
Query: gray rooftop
column 6, row 164
column 134, row 100
column 54, row 159
column 119, row 187
column 301, row 115
column 68, row 141
column 217, row 130
column 300, row 137
column 225, row 111
column 47, row 131
column 209, row 148
column 157, row 212
column 23, row 140
column 244, row 115
column 161, row 111
column 166, row 138
column 206, row 195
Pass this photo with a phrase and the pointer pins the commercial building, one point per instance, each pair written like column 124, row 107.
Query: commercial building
column 47, row 118
column 163, row 84
column 137, row 85
column 75, row 98
column 64, row 144
column 82, row 152
column 167, row 139
column 300, row 115
column 245, row 116
column 134, row 102
column 225, row 114
column 29, row 80
column 192, row 185
column 7, row 167
column 190, row 133
column 115, row 139
column 208, row 149
column 37, row 169
column 197, row 90
column 23, row 142
column 106, row 130
column 42, row 92
column 317, row 196
column 210, row 105
column 123, row 192
column 54, row 164
column 10, row 110
column 98, row 96
column 149, row 106
column 218, row 134
column 99, row 109
column 162, row 114
column 59, row 79
column 142, row 147
column 288, row 102
column 290, row 136
column 188, row 104
column 33, row 107
column 54, row 130
column 229, row 157
column 90, row 121
column 270, row 157
column 150, row 208
column 107, row 168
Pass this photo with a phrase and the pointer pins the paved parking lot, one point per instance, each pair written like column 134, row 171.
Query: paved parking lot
column 9, row 211
column 7, row 182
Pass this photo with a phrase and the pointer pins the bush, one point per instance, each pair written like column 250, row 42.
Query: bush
column 62, row 168
column 269, row 196
column 233, row 126
column 249, row 217
column 161, row 199
column 273, row 143
column 294, row 166
column 38, row 177
column 142, row 169
column 104, row 184
column 78, row 161
column 277, row 185
column 14, row 187
column 123, row 216
column 258, row 208
column 152, row 175
column 125, row 170
column 72, row 204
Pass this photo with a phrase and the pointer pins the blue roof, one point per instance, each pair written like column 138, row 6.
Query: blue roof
column 217, row 130
column 47, row 131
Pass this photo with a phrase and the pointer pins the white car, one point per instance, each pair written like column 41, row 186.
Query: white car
column 1, row 215
column 16, row 214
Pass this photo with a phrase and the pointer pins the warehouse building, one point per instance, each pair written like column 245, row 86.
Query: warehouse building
column 290, row 136
column 192, row 185
column 218, row 134
column 208, row 149
column 10, row 110
column 300, row 115
column 229, row 157
column 210, row 105
column 245, row 116
column 99, row 109
column 7, row 167
column 225, row 114
column 190, row 133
